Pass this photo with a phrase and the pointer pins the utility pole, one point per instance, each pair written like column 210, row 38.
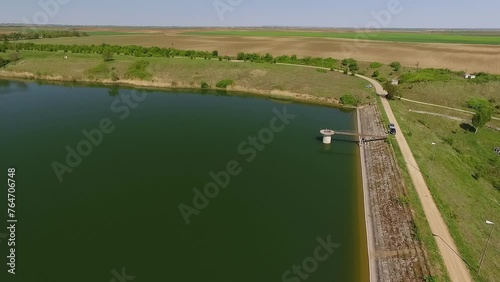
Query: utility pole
column 486, row 247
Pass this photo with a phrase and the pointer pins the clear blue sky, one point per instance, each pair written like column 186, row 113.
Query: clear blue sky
column 324, row 13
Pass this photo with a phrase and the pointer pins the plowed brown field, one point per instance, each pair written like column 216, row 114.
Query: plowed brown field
column 474, row 58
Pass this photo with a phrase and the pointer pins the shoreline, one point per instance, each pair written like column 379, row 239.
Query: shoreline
column 270, row 94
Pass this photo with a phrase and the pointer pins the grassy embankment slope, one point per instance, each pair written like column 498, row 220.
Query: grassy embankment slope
column 410, row 37
column 305, row 84
column 462, row 169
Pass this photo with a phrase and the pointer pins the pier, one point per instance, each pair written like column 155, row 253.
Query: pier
column 363, row 138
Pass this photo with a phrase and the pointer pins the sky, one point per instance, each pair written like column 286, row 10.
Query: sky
column 306, row 13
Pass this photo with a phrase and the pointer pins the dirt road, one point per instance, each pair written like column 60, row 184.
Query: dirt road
column 457, row 269
column 443, row 107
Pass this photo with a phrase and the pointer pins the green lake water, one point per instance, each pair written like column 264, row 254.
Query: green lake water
column 118, row 211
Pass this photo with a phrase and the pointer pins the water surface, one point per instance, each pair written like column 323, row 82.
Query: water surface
column 120, row 207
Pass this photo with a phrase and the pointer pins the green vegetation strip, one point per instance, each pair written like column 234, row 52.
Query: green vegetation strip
column 410, row 37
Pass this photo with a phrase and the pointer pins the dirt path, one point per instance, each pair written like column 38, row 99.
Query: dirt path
column 442, row 107
column 457, row 269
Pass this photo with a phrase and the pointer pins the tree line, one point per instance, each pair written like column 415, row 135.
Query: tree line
column 108, row 51
column 285, row 59
column 132, row 50
column 40, row 34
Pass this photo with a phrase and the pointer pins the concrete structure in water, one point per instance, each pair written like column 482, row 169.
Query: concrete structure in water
column 327, row 135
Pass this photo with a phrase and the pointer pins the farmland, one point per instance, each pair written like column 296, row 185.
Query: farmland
column 473, row 57
column 409, row 37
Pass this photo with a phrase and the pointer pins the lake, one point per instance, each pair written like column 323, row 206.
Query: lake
column 116, row 184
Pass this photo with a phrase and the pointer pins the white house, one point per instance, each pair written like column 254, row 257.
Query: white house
column 469, row 76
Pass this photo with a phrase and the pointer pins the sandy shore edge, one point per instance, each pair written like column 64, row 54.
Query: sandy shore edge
column 157, row 84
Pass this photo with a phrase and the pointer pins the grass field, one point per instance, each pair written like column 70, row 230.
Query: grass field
column 449, row 167
column 185, row 73
column 410, row 37
column 453, row 93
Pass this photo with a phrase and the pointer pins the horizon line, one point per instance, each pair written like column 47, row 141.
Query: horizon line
column 237, row 26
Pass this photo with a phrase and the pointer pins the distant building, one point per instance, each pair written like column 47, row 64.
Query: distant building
column 469, row 76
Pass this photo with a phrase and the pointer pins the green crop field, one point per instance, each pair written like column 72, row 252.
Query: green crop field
column 411, row 37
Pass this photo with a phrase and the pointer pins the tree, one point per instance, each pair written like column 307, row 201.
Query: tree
column 349, row 99
column 396, row 66
column 351, row 64
column 392, row 90
column 376, row 74
column 107, row 54
column 215, row 53
column 482, row 117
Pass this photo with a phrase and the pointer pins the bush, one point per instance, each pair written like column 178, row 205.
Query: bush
column 349, row 100
column 477, row 103
column 14, row 57
column 396, row 66
column 430, row 279
column 223, row 84
column 3, row 62
column 448, row 141
column 204, row 85
column 107, row 55
column 485, row 78
column 375, row 65
column 376, row 74
column 114, row 76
